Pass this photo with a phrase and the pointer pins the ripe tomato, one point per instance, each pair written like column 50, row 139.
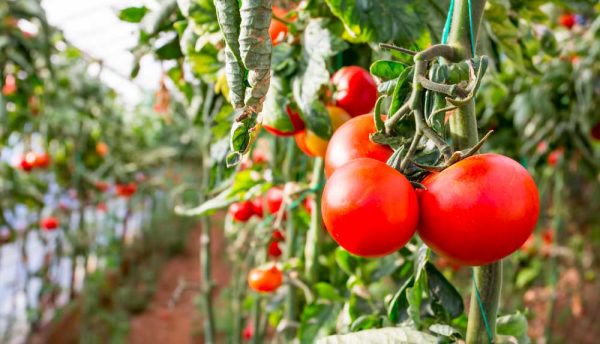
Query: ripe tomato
column 27, row 162
column 274, row 250
column 277, row 235
column 567, row 20
column 308, row 204
column 478, row 210
column 42, row 160
column 273, row 124
column 355, row 90
column 595, row 132
column 102, row 186
column 310, row 143
column 101, row 148
column 555, row 156
column 241, row 211
column 49, row 223
column 10, row 85
column 257, row 206
column 125, row 190
column 274, row 199
column 351, row 141
column 278, row 30
column 248, row 332
column 369, row 208
column 265, row 279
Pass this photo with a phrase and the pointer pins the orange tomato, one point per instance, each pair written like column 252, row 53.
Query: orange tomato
column 313, row 145
column 265, row 279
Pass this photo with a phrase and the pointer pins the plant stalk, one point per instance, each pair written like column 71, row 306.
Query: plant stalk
column 315, row 231
column 463, row 130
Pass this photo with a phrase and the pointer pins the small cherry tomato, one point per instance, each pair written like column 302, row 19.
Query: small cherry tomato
column 265, row 279
column 369, row 208
column 313, row 145
column 308, row 204
column 125, row 190
column 49, row 223
column 278, row 30
column 101, row 148
column 355, row 90
column 27, row 162
column 555, row 156
column 274, row 199
column 293, row 121
column 241, row 211
column 257, row 206
column 351, row 141
column 101, row 207
column 278, row 235
column 479, row 210
column 567, row 20
column 10, row 85
column 248, row 332
column 274, row 250
column 42, row 160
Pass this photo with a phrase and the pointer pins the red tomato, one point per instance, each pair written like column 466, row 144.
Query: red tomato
column 355, row 90
column 10, row 85
column 478, row 210
column 308, row 204
column 265, row 279
column 257, row 206
column 274, row 199
column 595, row 132
column 277, row 235
column 294, row 118
column 369, row 208
column 555, row 156
column 42, row 160
column 548, row 236
column 274, row 250
column 241, row 211
column 126, row 190
column 49, row 223
column 351, row 141
column 101, row 207
column 567, row 20
column 278, row 30
column 248, row 332
column 27, row 162
column 310, row 143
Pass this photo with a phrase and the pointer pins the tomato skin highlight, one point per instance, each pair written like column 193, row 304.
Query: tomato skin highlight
column 265, row 279
column 351, row 141
column 296, row 121
column 356, row 91
column 241, row 211
column 478, row 210
column 369, row 208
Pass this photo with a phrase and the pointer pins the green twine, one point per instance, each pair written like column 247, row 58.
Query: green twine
column 488, row 330
column 446, row 32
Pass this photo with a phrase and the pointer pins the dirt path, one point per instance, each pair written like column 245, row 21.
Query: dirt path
column 181, row 324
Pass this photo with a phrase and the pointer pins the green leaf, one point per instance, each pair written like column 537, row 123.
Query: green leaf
column 445, row 330
column 398, row 306
column 514, row 325
column 422, row 258
column 243, row 133
column 402, row 21
column 528, row 274
column 133, row 14
column 274, row 113
column 401, row 90
column 318, row 45
column 327, row 291
column 345, row 261
column 387, row 69
column 388, row 335
column 379, row 124
column 170, row 50
column 313, row 318
column 365, row 322
column 443, row 292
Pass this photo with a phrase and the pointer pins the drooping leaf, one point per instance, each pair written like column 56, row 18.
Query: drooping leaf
column 397, row 309
column 443, row 292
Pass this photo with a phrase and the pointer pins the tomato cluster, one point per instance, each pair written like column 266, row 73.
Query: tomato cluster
column 475, row 212
column 243, row 211
column 31, row 160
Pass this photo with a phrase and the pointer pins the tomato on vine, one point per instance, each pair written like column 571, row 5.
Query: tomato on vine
column 265, row 279
column 125, row 190
column 274, row 199
column 257, row 206
column 241, row 211
column 10, row 85
column 351, row 141
column 369, row 208
column 274, row 250
column 101, row 148
column 555, row 156
column 49, row 223
column 479, row 210
column 355, row 90
column 567, row 20
column 311, row 144
column 42, row 160
column 278, row 29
